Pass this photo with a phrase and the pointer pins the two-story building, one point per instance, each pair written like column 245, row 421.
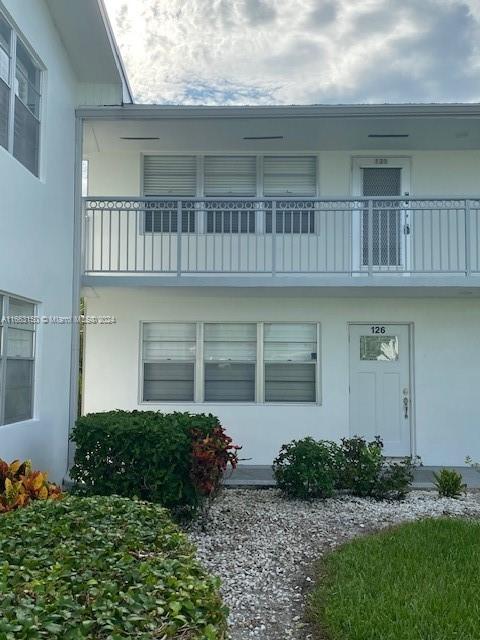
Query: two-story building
column 46, row 72
column 294, row 270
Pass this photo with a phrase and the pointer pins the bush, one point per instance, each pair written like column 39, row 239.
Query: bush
column 311, row 468
column 104, row 568
column 306, row 469
column 394, row 480
column 176, row 459
column 20, row 484
column 360, row 465
column 449, row 483
column 365, row 471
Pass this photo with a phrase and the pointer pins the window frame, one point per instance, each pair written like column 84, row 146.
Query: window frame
column 199, row 365
column 15, row 38
column 5, row 299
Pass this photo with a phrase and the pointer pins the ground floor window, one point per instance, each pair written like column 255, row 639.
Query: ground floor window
column 230, row 362
column 17, row 358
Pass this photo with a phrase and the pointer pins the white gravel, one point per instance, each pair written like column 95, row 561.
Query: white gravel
column 264, row 547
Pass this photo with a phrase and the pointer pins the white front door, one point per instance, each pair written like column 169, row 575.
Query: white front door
column 380, row 403
column 389, row 235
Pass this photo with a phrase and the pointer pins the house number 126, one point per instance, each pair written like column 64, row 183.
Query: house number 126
column 377, row 329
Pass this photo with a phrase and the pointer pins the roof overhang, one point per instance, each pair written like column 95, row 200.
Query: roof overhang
column 177, row 129
column 150, row 111
column 86, row 21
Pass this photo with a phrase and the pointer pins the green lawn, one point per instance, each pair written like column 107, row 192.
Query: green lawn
column 418, row 581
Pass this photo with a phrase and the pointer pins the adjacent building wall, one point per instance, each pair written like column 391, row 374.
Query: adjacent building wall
column 36, row 240
column 445, row 350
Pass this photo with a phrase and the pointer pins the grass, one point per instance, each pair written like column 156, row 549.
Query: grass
column 418, row 581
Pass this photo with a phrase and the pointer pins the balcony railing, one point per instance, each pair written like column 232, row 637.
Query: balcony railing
column 241, row 236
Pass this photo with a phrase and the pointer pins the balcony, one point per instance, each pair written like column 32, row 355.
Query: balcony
column 253, row 241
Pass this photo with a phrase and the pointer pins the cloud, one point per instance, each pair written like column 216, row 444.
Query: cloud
column 299, row 51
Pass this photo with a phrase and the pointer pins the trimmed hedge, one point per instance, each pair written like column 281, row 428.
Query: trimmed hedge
column 175, row 459
column 103, row 568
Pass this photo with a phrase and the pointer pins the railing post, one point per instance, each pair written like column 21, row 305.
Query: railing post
column 468, row 226
column 179, row 238
column 274, row 237
column 370, row 237
column 83, row 238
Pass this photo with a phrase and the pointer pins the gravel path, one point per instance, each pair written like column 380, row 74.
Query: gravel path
column 263, row 547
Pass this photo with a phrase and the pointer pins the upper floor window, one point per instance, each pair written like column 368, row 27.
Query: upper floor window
column 17, row 351
column 169, row 177
column 226, row 180
column 20, row 97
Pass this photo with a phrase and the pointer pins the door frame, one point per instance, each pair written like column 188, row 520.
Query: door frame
column 379, row 161
column 411, row 370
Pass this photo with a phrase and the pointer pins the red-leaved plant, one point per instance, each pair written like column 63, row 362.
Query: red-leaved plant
column 211, row 456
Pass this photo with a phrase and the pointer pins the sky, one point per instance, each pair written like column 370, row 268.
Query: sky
column 299, row 51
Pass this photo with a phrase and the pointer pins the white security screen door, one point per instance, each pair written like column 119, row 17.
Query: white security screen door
column 380, row 385
column 377, row 177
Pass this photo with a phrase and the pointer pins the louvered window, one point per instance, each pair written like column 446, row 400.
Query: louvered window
column 17, row 351
column 21, row 74
column 230, row 176
column 290, row 177
column 290, row 356
column 230, row 362
column 169, row 352
column 172, row 177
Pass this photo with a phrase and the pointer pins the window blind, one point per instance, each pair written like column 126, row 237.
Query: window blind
column 169, row 176
column 230, row 362
column 4, row 106
column 230, row 176
column 19, row 345
column 169, row 352
column 289, row 176
column 290, row 355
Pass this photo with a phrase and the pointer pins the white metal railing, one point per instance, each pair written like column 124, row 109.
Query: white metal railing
column 349, row 236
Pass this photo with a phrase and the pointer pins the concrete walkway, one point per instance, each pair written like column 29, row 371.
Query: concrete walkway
column 261, row 476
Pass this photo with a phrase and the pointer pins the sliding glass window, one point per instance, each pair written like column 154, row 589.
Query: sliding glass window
column 20, row 98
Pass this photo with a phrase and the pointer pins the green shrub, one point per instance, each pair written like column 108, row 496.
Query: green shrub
column 361, row 465
column 176, row 459
column 449, row 483
column 306, row 469
column 394, row 480
column 311, row 468
column 366, row 472
column 102, row 567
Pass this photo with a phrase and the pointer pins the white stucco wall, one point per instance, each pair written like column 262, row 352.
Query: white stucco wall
column 442, row 173
column 446, row 353
column 36, row 245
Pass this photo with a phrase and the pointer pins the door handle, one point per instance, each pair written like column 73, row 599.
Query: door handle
column 405, row 407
